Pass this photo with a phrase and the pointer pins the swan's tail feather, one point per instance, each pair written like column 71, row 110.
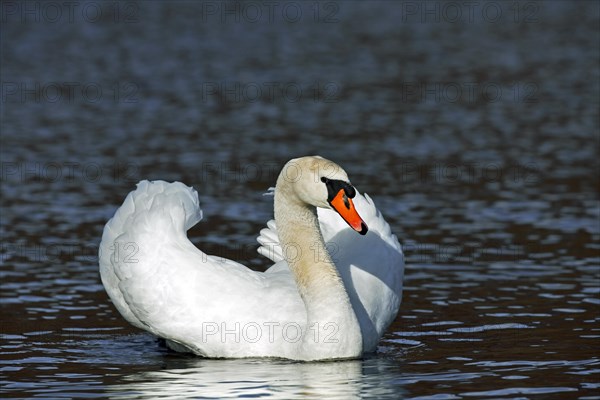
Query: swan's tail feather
column 155, row 212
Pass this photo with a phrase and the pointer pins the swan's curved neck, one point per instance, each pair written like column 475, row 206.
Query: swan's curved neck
column 332, row 328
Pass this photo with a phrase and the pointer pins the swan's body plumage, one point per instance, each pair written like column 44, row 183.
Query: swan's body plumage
column 162, row 283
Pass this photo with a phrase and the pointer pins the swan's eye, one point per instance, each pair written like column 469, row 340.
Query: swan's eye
column 324, row 180
column 350, row 191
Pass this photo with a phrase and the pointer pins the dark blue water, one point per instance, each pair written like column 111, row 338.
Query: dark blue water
column 475, row 128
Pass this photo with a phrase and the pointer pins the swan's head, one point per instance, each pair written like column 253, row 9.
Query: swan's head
column 322, row 183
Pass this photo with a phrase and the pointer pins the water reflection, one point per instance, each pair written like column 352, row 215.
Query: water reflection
column 205, row 378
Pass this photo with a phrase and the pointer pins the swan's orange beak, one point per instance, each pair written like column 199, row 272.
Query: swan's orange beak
column 345, row 207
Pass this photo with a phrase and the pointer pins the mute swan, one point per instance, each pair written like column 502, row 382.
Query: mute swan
column 334, row 288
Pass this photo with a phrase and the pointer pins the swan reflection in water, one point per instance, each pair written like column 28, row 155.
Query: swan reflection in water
column 191, row 377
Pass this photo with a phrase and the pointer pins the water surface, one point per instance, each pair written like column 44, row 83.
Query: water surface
column 477, row 139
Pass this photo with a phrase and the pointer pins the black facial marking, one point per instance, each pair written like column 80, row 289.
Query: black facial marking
column 334, row 186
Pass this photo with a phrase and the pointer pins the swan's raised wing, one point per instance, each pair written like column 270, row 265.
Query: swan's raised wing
column 372, row 266
column 160, row 282
column 130, row 228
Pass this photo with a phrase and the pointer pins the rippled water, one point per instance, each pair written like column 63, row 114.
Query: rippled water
column 477, row 138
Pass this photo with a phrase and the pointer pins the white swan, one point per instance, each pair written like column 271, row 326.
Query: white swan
column 330, row 294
